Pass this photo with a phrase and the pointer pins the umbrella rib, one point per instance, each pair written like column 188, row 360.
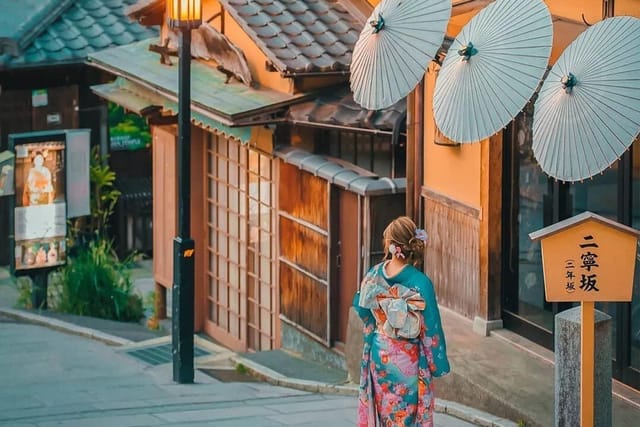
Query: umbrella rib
column 495, row 30
column 613, row 114
column 585, row 135
column 388, row 66
column 527, row 13
column 605, row 140
column 400, row 89
column 541, row 127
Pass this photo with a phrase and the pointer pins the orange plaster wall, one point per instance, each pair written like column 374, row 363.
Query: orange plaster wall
column 628, row 7
column 255, row 57
column 592, row 9
column 451, row 171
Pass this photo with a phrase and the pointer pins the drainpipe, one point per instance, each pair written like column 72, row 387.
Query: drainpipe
column 411, row 141
column 418, row 157
column 608, row 8
column 395, row 135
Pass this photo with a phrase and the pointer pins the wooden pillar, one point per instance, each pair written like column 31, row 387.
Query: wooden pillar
column 160, row 301
column 489, row 304
column 412, row 185
column 199, row 223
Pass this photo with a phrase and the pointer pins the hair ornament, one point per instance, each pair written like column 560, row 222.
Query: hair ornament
column 421, row 234
column 396, row 251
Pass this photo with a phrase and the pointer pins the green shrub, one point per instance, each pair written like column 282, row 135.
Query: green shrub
column 95, row 283
column 24, row 293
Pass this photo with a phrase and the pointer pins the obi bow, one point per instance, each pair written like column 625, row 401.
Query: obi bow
column 395, row 307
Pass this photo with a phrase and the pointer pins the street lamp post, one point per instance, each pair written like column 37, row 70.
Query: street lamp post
column 183, row 15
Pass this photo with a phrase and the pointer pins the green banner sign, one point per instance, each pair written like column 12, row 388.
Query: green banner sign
column 127, row 131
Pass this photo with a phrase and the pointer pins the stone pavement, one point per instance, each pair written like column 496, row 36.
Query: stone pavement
column 502, row 374
column 51, row 378
column 122, row 377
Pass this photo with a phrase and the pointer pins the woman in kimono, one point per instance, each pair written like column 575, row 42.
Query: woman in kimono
column 404, row 344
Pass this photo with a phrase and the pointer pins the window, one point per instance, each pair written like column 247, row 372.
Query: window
column 369, row 151
column 241, row 232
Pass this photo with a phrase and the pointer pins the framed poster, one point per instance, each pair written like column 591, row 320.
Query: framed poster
column 40, row 205
column 40, row 209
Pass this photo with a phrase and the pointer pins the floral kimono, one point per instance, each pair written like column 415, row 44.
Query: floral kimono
column 404, row 347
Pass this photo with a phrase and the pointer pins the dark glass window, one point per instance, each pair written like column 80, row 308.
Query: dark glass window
column 369, row 151
column 533, row 201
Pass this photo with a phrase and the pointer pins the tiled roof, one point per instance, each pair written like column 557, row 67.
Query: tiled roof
column 299, row 36
column 83, row 26
column 337, row 107
column 231, row 103
column 340, row 174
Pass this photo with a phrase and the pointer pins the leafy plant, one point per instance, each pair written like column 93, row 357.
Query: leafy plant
column 104, row 196
column 54, row 290
column 24, row 293
column 150, row 309
column 96, row 283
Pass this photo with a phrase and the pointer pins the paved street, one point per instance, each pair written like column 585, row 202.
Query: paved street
column 49, row 378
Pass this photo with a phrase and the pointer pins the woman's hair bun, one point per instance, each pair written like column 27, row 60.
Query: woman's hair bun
column 416, row 245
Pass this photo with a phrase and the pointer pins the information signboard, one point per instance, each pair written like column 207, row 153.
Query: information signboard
column 48, row 167
column 40, row 219
column 587, row 258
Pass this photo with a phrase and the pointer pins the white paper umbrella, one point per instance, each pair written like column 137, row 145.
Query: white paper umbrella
column 588, row 110
column 394, row 48
column 492, row 69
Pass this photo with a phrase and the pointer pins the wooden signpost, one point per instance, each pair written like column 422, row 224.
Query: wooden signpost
column 587, row 258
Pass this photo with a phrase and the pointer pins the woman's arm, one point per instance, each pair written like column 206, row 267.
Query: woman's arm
column 365, row 314
column 433, row 330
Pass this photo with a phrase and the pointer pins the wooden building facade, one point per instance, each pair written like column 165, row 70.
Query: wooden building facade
column 292, row 182
column 479, row 255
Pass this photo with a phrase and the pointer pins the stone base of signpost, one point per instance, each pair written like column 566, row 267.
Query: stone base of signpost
column 567, row 370
column 354, row 346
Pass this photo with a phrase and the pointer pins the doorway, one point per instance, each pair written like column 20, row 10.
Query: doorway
column 346, row 243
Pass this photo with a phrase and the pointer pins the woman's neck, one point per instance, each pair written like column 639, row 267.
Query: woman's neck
column 394, row 266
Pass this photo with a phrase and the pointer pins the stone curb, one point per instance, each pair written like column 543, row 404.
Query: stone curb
column 472, row 415
column 275, row 378
column 454, row 409
column 63, row 326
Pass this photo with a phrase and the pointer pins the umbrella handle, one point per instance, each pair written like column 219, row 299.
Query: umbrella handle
column 377, row 24
column 568, row 82
column 467, row 51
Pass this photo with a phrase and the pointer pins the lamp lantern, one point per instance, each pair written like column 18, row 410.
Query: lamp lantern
column 185, row 13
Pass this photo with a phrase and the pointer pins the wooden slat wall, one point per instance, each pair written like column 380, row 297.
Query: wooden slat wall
column 452, row 255
column 303, row 300
column 304, row 247
column 306, row 199
column 304, row 244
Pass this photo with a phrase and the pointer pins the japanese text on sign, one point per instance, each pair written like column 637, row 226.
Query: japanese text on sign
column 588, row 266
